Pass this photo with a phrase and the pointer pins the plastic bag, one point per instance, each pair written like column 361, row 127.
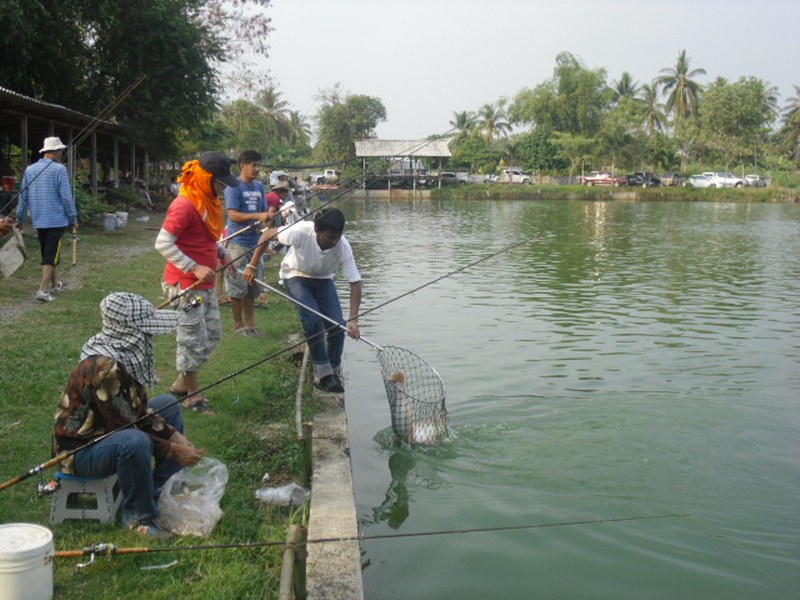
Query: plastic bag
column 189, row 501
column 289, row 494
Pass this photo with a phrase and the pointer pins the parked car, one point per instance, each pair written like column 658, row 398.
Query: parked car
column 755, row 181
column 514, row 176
column 449, row 178
column 671, row 179
column 699, row 181
column 601, row 178
column 722, row 179
column 643, row 179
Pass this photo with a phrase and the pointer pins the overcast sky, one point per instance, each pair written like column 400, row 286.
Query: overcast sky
column 426, row 59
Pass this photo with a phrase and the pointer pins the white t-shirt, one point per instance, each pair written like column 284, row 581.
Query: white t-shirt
column 306, row 259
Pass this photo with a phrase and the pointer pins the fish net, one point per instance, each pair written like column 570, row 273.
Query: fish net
column 416, row 396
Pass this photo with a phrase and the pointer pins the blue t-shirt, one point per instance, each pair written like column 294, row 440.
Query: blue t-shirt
column 247, row 198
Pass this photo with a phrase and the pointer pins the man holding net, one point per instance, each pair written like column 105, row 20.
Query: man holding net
column 317, row 251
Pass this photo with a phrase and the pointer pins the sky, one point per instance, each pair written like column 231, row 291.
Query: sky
column 426, row 59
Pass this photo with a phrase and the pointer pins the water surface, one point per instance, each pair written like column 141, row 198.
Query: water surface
column 632, row 360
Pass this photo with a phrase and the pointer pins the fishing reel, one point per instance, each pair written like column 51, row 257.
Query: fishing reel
column 101, row 549
column 192, row 303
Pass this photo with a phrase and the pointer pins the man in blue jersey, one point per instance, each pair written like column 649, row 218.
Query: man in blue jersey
column 247, row 212
column 47, row 192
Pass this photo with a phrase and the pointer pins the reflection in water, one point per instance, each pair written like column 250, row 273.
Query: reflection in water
column 394, row 508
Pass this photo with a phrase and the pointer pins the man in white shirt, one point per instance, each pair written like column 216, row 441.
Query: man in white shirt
column 317, row 251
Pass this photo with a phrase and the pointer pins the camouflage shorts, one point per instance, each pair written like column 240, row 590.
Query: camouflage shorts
column 199, row 328
column 238, row 288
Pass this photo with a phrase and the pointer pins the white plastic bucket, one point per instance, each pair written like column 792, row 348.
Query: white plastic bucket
column 122, row 220
column 109, row 221
column 26, row 562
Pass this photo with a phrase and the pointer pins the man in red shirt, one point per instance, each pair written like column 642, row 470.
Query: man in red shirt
column 188, row 240
column 277, row 195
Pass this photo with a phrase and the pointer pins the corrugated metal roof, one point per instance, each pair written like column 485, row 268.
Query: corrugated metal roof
column 374, row 148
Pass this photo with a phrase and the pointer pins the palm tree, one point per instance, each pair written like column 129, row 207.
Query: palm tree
column 790, row 131
column 626, row 87
column 492, row 121
column 654, row 116
column 300, row 130
column 276, row 110
column 683, row 91
column 463, row 122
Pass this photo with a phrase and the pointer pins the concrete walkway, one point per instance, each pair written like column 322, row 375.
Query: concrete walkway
column 333, row 569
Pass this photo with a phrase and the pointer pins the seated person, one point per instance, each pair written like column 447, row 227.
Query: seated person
column 107, row 391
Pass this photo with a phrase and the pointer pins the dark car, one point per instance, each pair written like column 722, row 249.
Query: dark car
column 643, row 180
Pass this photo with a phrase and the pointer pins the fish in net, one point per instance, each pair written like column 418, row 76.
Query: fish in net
column 416, row 397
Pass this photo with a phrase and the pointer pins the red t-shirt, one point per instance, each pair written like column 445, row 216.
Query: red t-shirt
column 194, row 240
column 273, row 199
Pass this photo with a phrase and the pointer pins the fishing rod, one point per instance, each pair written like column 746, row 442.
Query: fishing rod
column 109, row 549
column 410, row 151
column 67, row 453
column 95, row 122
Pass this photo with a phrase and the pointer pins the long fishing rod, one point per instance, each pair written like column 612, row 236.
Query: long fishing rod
column 107, row 549
column 67, row 453
column 409, row 151
column 95, row 122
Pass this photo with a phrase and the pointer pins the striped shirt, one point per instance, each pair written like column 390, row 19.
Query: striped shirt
column 47, row 193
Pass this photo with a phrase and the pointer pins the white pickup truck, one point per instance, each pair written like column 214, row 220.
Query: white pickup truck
column 328, row 176
column 514, row 176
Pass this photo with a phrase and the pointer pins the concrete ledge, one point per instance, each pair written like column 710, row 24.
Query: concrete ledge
column 333, row 569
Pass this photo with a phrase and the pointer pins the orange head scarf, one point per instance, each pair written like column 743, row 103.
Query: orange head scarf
column 197, row 188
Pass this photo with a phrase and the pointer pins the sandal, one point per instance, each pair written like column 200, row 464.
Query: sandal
column 199, row 404
column 178, row 393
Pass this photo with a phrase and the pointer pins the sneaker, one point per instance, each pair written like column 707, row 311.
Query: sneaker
column 151, row 530
column 44, row 296
column 331, row 384
column 58, row 287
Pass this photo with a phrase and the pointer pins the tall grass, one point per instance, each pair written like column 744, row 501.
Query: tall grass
column 252, row 432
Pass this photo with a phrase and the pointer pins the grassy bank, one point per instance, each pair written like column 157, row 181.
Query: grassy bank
column 252, row 432
column 579, row 192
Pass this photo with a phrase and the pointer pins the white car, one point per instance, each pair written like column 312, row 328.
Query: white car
column 514, row 176
column 699, row 181
column 724, row 179
column 755, row 181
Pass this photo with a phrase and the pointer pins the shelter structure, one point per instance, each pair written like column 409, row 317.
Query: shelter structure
column 26, row 121
column 403, row 152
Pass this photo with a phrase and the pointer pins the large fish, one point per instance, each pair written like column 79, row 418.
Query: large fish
column 406, row 422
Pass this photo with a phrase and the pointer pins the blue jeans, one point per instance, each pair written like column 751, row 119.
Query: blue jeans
column 129, row 454
column 320, row 294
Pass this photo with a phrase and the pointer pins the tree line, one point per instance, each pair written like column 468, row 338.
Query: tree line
column 83, row 53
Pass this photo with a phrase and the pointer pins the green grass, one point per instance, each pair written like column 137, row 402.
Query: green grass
column 252, row 432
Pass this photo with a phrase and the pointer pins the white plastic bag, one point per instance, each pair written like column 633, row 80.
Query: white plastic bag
column 189, row 501
column 290, row 494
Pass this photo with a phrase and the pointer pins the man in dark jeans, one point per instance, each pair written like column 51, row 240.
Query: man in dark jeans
column 317, row 251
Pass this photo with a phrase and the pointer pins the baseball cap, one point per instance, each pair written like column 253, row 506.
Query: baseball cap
column 219, row 166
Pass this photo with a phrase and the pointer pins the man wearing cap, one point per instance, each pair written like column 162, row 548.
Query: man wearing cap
column 277, row 195
column 188, row 240
column 47, row 192
column 247, row 211
column 108, row 391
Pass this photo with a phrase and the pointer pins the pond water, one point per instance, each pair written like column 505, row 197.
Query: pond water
column 633, row 360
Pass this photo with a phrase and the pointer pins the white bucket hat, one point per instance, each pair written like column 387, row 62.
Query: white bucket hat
column 52, row 144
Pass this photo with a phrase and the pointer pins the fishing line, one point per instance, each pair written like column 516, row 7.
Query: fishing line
column 106, row 549
column 96, row 121
column 57, row 459
column 364, row 180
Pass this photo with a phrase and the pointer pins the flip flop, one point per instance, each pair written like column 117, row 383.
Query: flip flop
column 201, row 405
column 177, row 394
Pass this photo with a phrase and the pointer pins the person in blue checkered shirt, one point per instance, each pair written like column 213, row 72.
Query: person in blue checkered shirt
column 47, row 193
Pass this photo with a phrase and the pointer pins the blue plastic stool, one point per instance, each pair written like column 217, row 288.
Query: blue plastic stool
column 106, row 492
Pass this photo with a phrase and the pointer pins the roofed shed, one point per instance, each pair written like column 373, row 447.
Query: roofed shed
column 400, row 149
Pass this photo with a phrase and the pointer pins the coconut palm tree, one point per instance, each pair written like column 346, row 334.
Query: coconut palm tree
column 683, row 92
column 654, row 115
column 276, row 110
column 300, row 130
column 626, row 87
column 790, row 130
column 492, row 121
